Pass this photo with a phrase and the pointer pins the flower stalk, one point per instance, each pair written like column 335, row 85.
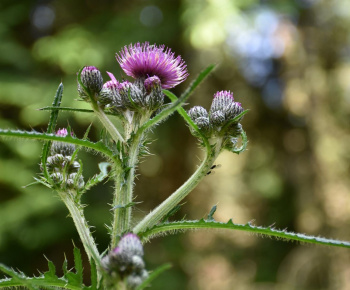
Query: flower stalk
column 123, row 195
column 167, row 205
column 81, row 224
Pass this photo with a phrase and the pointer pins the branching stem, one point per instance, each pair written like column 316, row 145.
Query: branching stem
column 167, row 205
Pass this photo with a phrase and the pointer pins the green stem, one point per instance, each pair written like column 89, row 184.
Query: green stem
column 100, row 113
column 124, row 192
column 118, row 210
column 116, row 136
column 81, row 225
column 167, row 205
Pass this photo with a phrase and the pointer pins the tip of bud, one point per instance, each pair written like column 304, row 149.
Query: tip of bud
column 92, row 79
column 226, row 94
column 62, row 132
column 124, row 85
column 89, row 68
column 151, row 82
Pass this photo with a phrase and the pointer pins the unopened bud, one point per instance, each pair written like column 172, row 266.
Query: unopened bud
column 154, row 98
column 57, row 177
column 224, row 109
column 92, row 79
column 130, row 243
column 199, row 116
column 217, row 118
column 65, row 149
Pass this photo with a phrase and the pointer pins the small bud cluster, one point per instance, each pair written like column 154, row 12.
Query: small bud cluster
column 64, row 171
column 142, row 95
column 219, row 120
column 126, row 261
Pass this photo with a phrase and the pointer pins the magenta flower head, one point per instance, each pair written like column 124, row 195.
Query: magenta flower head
column 143, row 60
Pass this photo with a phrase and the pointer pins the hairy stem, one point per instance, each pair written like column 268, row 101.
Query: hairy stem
column 81, row 225
column 124, row 192
column 167, row 205
column 112, row 130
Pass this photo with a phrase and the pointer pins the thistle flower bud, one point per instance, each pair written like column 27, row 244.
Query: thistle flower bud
column 92, row 79
column 154, row 98
column 126, row 260
column 224, row 109
column 64, row 171
column 65, row 149
column 200, row 117
column 217, row 118
column 136, row 279
column 57, row 177
column 75, row 181
column 130, row 243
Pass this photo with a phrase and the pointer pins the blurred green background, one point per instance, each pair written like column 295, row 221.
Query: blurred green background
column 286, row 61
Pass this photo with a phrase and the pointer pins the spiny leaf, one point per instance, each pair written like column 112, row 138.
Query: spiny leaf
column 104, row 173
column 78, row 264
column 99, row 146
column 86, row 134
column 51, row 128
column 172, row 227
column 49, row 280
column 51, row 274
column 41, row 180
column 171, row 213
column 18, row 278
column 93, row 275
column 154, row 274
column 53, row 109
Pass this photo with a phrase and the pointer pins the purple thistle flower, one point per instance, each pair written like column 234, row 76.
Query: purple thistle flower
column 144, row 60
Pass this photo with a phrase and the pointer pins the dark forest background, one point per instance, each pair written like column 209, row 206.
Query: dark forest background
column 286, row 61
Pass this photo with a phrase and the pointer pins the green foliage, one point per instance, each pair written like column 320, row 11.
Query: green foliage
column 67, row 109
column 173, row 227
column 104, row 173
column 98, row 146
column 49, row 280
column 51, row 128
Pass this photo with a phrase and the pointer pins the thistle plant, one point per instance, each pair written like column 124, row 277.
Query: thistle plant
column 136, row 106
